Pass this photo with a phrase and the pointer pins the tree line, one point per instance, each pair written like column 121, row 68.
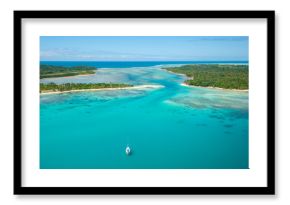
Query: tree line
column 47, row 87
column 215, row 75
column 51, row 71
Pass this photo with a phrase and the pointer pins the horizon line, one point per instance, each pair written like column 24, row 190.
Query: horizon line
column 147, row 61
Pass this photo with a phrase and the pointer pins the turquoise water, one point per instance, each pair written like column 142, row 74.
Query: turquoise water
column 174, row 127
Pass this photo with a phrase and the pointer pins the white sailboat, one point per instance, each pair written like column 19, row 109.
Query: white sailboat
column 128, row 150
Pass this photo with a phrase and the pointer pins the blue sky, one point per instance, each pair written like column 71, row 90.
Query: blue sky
column 144, row 48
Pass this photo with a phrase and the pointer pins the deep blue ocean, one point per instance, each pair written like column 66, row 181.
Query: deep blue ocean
column 170, row 127
column 130, row 64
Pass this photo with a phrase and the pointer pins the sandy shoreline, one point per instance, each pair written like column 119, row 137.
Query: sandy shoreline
column 175, row 73
column 137, row 87
column 210, row 87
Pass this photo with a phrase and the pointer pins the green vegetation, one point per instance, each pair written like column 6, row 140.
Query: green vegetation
column 50, row 71
column 215, row 75
column 52, row 87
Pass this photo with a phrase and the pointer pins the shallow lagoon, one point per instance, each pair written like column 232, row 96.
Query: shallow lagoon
column 174, row 127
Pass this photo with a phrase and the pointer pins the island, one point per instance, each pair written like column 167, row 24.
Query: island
column 52, row 71
column 52, row 88
column 224, row 76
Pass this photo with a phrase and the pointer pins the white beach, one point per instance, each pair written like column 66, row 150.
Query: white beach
column 210, row 87
column 137, row 87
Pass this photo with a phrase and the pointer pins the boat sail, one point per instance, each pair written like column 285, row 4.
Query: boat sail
column 128, row 150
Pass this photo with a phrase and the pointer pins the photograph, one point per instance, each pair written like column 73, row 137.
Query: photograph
column 144, row 102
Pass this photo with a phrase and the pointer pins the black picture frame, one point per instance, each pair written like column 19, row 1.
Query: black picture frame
column 268, row 190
